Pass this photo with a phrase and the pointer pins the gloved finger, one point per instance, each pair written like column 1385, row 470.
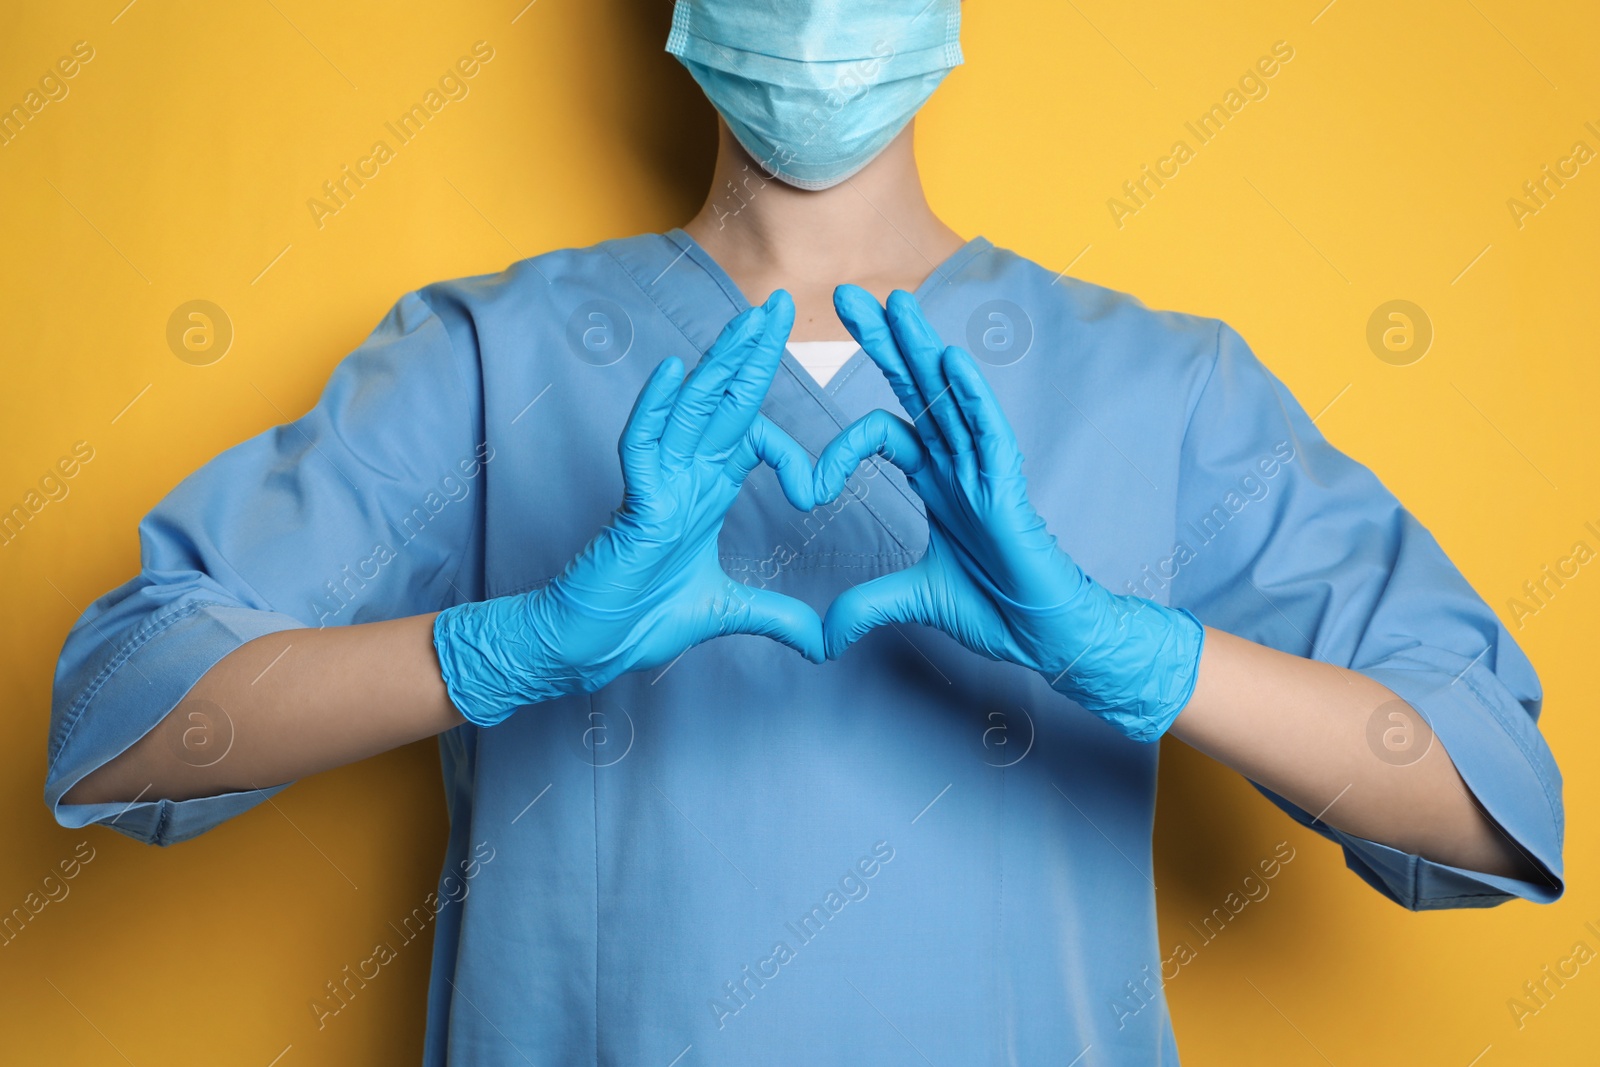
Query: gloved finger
column 869, row 325
column 765, row 443
column 637, row 447
column 897, row 597
column 703, row 390
column 921, row 347
column 877, row 433
column 996, row 443
column 782, row 618
column 750, row 382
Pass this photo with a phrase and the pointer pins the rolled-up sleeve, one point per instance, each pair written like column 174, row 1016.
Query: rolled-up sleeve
column 366, row 508
column 1294, row 545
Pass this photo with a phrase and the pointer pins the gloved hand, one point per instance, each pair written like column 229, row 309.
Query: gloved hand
column 649, row 586
column 993, row 577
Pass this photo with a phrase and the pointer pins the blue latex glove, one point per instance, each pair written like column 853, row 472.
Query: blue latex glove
column 649, row 586
column 993, row 577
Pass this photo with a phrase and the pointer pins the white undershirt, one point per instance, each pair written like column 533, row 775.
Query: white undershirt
column 822, row 359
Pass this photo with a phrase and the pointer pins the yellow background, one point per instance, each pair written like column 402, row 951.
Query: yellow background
column 1377, row 168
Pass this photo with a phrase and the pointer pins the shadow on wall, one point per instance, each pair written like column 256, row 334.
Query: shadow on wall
column 1212, row 828
column 669, row 124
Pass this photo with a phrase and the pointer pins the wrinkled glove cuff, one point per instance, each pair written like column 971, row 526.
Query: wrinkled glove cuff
column 1139, row 673
column 483, row 651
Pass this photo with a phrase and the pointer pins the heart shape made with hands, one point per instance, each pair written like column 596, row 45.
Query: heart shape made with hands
column 992, row 571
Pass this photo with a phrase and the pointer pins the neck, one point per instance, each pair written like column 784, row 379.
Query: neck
column 875, row 229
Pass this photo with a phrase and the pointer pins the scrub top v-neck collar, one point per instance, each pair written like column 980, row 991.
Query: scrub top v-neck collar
column 692, row 290
column 930, row 289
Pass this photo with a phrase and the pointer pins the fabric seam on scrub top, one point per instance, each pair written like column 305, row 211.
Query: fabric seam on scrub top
column 1194, row 409
column 483, row 427
column 163, row 817
column 888, row 526
column 480, row 512
column 689, row 251
column 824, row 352
column 594, row 794
column 168, row 807
column 951, row 267
column 958, row 261
column 152, row 626
column 831, row 388
column 837, row 381
column 1443, row 903
column 460, row 597
column 1000, row 921
column 810, row 382
column 648, row 296
column 1515, row 737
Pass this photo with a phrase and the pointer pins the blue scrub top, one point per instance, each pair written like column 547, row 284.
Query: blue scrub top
column 911, row 855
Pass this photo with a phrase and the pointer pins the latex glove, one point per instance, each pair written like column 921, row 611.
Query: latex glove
column 993, row 577
column 649, row 586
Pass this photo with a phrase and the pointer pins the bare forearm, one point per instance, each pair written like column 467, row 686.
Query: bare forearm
column 1300, row 728
column 284, row 706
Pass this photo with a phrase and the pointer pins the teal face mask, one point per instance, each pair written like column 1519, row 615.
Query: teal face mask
column 815, row 89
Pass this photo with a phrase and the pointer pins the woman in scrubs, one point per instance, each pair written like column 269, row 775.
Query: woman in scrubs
column 832, row 740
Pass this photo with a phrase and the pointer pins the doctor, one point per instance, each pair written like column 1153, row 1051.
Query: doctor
column 813, row 721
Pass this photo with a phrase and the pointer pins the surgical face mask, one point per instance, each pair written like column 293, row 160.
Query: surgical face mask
column 815, row 89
